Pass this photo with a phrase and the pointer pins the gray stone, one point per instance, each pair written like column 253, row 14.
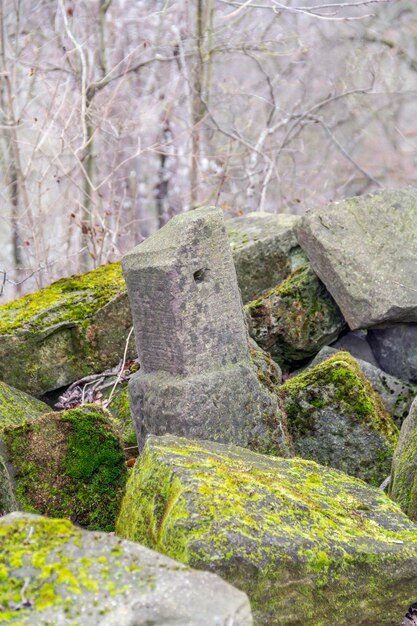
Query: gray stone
column 295, row 318
column 395, row 349
column 356, row 343
column 308, row 544
column 55, row 573
column 265, row 250
column 74, row 327
column 336, row 418
column 196, row 377
column 364, row 250
column 396, row 394
column 16, row 406
column 404, row 466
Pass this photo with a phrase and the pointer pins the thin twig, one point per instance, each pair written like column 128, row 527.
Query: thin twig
column 107, row 403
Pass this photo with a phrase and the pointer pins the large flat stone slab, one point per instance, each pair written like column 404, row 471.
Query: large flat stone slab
column 308, row 544
column 55, row 573
column 364, row 250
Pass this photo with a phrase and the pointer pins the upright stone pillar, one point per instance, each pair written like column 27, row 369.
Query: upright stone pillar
column 196, row 378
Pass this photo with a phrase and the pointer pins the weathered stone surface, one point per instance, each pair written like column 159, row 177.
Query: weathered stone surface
column 308, row 544
column 265, row 250
column 17, row 406
column 356, row 343
column 196, row 377
column 396, row 394
column 335, row 418
column 404, row 466
column 55, row 573
column 73, row 328
column 364, row 251
column 395, row 349
column 68, row 464
column 295, row 319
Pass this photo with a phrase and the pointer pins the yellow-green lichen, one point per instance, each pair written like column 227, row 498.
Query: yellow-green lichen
column 17, row 407
column 71, row 299
column 295, row 319
column 288, row 532
column 335, row 417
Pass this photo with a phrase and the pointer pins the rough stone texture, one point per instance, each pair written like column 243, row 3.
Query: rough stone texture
column 55, row 573
column 356, row 343
column 404, row 466
column 74, row 327
column 396, row 394
column 265, row 250
column 308, row 544
column 196, row 377
column 364, row 251
column 17, row 406
column 68, row 464
column 336, row 418
column 395, row 349
column 295, row 319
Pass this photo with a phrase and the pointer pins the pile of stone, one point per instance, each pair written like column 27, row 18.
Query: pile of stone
column 267, row 433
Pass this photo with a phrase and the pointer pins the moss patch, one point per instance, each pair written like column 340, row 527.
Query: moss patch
column 308, row 544
column 69, row 464
column 72, row 299
column 17, row 407
column 74, row 327
column 336, row 418
column 295, row 319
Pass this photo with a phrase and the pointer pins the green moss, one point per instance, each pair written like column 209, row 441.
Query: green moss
column 295, row 319
column 288, row 532
column 72, row 299
column 69, row 464
column 336, row 418
column 119, row 407
column 17, row 407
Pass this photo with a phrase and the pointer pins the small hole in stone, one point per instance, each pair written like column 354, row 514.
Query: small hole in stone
column 201, row 275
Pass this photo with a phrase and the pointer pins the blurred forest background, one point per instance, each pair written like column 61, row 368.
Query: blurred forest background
column 117, row 114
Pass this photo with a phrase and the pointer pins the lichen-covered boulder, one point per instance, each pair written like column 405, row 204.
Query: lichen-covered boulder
column 17, row 406
column 295, row 319
column 54, row 573
column 68, row 464
column 308, row 544
column 364, row 251
column 403, row 487
column 336, row 418
column 120, row 410
column 265, row 250
column 395, row 349
column 68, row 330
column 397, row 395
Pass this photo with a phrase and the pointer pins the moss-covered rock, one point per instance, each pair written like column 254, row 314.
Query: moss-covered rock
column 265, row 250
column 404, row 466
column 52, row 573
column 308, row 544
column 68, row 330
column 68, row 464
column 120, row 410
column 336, row 418
column 397, row 395
column 17, row 406
column 295, row 319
